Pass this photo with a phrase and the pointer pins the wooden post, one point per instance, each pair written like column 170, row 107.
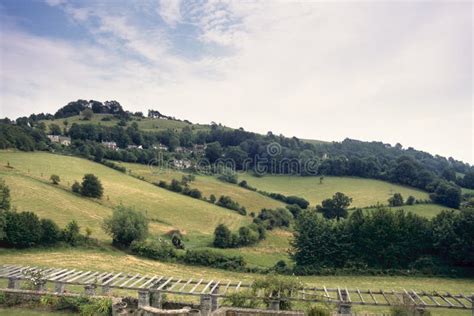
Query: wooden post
column 345, row 306
column 215, row 299
column 143, row 298
column 59, row 287
column 274, row 305
column 89, row 289
column 206, row 305
column 13, row 283
column 156, row 298
column 105, row 290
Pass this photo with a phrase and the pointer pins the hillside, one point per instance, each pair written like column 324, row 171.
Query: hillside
column 28, row 179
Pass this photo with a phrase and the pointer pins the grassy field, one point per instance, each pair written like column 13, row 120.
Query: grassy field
column 30, row 190
column 364, row 192
column 208, row 185
column 113, row 260
column 146, row 124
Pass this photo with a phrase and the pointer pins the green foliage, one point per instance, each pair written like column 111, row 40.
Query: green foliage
column 5, row 199
column 315, row 310
column 396, row 200
column 228, row 175
column 55, row 179
column 22, row 229
column 270, row 219
column 222, row 237
column 87, row 114
column 213, row 259
column 336, row 207
column 212, row 198
column 213, row 151
column 71, row 233
column 242, row 299
column 50, row 232
column 447, row 194
column 273, row 286
column 227, row 202
column 76, row 187
column 126, row 225
column 91, row 186
column 153, row 249
column 411, row 200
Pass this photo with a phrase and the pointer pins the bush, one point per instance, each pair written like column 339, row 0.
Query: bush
column 126, row 225
column 194, row 193
column 153, row 249
column 228, row 175
column 222, row 237
column 23, row 229
column 76, row 187
column 176, row 186
column 227, row 202
column 396, row 200
column 55, row 179
column 4, row 196
column 247, row 236
column 213, row 259
column 411, row 200
column 114, row 166
column 212, row 198
column 91, row 186
column 274, row 218
column 51, row 232
column 71, row 234
column 294, row 209
column 298, row 201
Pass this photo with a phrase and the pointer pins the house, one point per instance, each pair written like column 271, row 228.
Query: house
column 199, row 149
column 63, row 140
column 160, row 147
column 181, row 164
column 110, row 145
column 134, row 147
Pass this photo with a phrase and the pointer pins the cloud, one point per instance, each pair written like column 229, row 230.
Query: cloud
column 169, row 11
column 390, row 71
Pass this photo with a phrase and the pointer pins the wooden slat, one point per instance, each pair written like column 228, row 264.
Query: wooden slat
column 360, row 295
column 207, row 286
column 66, row 278
column 348, row 295
column 148, row 282
column 418, row 297
column 48, row 277
column 138, row 281
column 226, row 287
column 111, row 279
column 456, row 299
column 92, row 277
column 62, row 275
column 195, row 287
column 444, row 299
column 164, row 283
column 409, row 296
column 326, row 292
column 385, row 297
column 156, row 282
column 184, row 285
column 373, row 297
column 238, row 286
column 119, row 280
column 174, row 285
column 214, row 287
column 128, row 281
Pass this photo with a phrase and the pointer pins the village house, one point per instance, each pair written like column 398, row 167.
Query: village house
column 181, row 164
column 135, row 147
column 199, row 149
column 62, row 140
column 160, row 147
column 110, row 145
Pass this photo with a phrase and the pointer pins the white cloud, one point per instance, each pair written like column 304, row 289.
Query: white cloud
column 170, row 12
column 396, row 72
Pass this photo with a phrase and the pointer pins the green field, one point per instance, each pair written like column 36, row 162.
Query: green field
column 31, row 190
column 208, row 185
column 364, row 192
column 145, row 124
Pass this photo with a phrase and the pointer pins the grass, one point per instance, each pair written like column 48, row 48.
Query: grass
column 425, row 210
column 14, row 311
column 208, row 185
column 364, row 192
column 30, row 190
column 145, row 124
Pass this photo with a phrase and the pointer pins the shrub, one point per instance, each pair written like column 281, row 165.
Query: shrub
column 76, row 187
column 228, row 175
column 115, row 166
column 274, row 218
column 222, row 237
column 4, row 196
column 126, row 225
column 411, row 200
column 91, row 186
column 297, row 200
column 212, row 198
column 194, row 193
column 22, row 229
column 55, row 179
column 213, row 259
column 71, row 234
column 153, row 249
column 335, row 207
column 247, row 236
column 396, row 200
column 294, row 209
column 50, row 232
column 176, row 186
column 227, row 202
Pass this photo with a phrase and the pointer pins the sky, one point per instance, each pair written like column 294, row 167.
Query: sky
column 391, row 71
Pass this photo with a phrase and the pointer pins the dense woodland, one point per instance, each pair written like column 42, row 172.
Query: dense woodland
column 435, row 174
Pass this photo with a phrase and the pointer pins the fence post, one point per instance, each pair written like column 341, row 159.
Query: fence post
column 89, row 290
column 215, row 299
column 344, row 307
column 59, row 287
column 13, row 283
column 156, row 298
column 206, row 305
column 105, row 290
column 274, row 305
column 143, row 298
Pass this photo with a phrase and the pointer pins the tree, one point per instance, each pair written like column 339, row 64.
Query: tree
column 91, row 186
column 213, row 151
column 76, row 187
column 126, row 225
column 468, row 180
column 71, row 234
column 54, row 129
column 87, row 114
column 51, row 232
column 4, row 196
column 55, row 179
column 212, row 198
column 222, row 237
column 411, row 200
column 336, row 207
column 23, row 229
column 447, row 194
column 247, row 236
column 396, row 200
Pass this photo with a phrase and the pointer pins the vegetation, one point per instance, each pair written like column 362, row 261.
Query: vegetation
column 126, row 225
column 336, row 207
column 55, row 179
column 91, row 186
